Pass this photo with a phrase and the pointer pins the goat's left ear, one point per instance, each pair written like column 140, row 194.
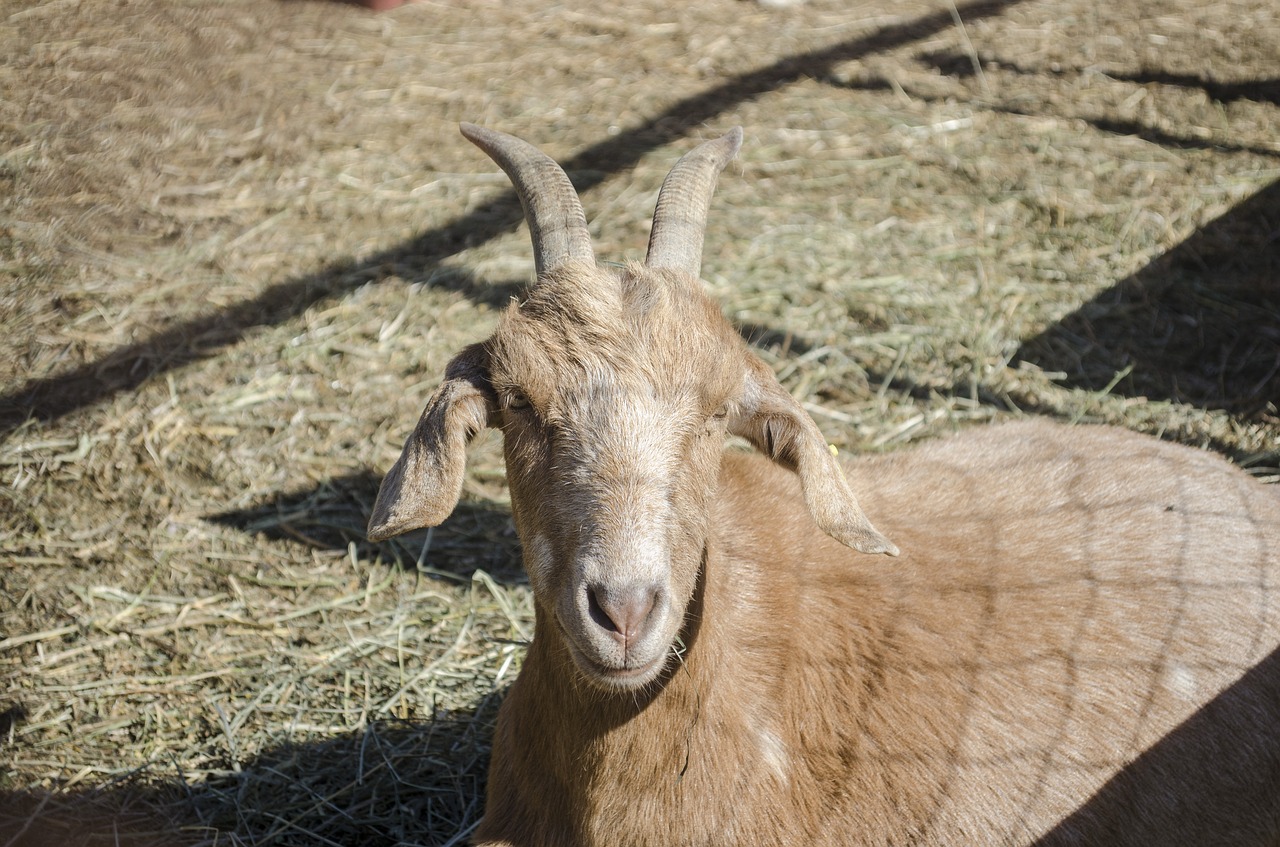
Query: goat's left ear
column 423, row 486
column 774, row 422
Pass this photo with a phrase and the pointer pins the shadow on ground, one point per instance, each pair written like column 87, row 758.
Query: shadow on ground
column 186, row 341
column 1257, row 90
column 333, row 516
column 960, row 66
column 392, row 783
column 423, row 783
column 1200, row 324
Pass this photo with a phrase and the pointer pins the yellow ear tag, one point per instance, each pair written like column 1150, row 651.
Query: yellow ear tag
column 833, row 449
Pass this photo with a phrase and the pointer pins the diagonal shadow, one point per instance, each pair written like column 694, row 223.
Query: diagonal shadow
column 1224, row 758
column 195, row 339
column 1257, row 90
column 1200, row 324
column 1169, row 139
column 959, row 66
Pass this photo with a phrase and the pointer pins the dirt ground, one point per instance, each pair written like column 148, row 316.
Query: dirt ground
column 240, row 239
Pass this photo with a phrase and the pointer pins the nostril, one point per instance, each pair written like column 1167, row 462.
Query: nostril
column 624, row 612
column 597, row 612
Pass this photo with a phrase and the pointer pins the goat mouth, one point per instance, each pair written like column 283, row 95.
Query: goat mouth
column 615, row 677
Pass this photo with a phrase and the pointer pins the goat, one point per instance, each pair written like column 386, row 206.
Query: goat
column 1077, row 643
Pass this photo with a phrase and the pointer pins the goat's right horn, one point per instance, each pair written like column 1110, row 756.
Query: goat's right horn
column 557, row 223
column 681, row 217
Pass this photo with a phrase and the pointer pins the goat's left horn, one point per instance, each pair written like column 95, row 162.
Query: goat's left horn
column 681, row 217
column 557, row 224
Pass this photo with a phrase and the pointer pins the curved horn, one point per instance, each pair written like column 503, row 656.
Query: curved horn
column 551, row 205
column 678, row 223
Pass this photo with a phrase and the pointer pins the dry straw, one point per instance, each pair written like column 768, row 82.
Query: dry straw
column 239, row 242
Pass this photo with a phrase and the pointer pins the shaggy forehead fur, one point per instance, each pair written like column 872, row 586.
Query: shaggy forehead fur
column 634, row 329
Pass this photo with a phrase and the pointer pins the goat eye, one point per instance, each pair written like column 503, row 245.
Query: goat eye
column 517, row 400
column 721, row 413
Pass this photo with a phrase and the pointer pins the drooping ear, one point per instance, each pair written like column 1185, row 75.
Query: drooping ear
column 423, row 486
column 774, row 422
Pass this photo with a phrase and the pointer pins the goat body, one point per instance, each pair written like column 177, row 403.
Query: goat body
column 1076, row 645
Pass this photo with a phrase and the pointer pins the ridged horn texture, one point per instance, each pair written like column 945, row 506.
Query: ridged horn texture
column 678, row 223
column 551, row 206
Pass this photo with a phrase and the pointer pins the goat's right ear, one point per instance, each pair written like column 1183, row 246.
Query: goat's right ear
column 423, row 486
column 775, row 423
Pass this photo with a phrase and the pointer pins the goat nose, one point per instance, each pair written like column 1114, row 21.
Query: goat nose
column 622, row 612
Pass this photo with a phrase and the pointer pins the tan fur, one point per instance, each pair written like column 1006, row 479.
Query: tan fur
column 1066, row 600
column 1077, row 644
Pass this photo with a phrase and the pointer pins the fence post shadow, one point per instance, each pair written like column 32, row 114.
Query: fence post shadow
column 1200, row 324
